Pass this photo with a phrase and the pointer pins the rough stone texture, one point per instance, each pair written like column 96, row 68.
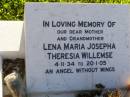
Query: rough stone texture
column 14, row 73
column 10, row 65
column 1, row 79
column 15, row 85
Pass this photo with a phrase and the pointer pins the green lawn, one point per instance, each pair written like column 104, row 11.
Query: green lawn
column 14, row 9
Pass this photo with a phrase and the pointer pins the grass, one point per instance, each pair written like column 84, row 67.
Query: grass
column 14, row 9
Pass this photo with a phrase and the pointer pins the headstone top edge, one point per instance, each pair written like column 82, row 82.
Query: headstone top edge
column 69, row 3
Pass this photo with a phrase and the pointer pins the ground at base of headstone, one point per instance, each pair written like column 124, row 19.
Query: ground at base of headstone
column 100, row 91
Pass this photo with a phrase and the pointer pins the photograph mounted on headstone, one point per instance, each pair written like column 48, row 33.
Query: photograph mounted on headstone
column 73, row 47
